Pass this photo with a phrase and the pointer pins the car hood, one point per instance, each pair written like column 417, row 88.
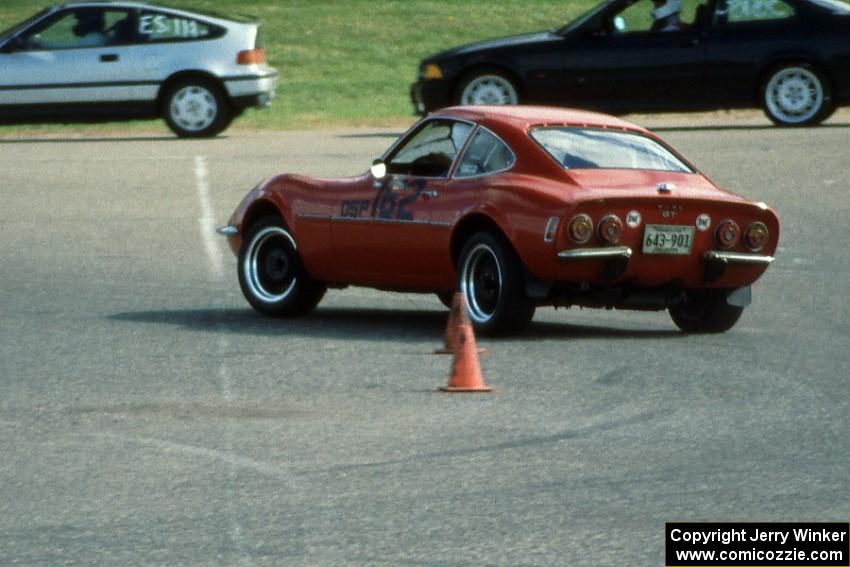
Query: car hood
column 494, row 44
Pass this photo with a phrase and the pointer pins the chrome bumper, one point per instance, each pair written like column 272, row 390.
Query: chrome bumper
column 737, row 258
column 596, row 253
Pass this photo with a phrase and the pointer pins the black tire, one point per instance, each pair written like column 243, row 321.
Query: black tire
column 271, row 275
column 796, row 95
column 705, row 311
column 490, row 276
column 196, row 108
column 486, row 86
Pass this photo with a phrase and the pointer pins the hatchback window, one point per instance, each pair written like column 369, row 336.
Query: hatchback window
column 154, row 26
column 587, row 148
column 485, row 154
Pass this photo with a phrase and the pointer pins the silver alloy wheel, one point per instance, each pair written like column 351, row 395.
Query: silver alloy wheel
column 489, row 89
column 268, row 265
column 193, row 108
column 481, row 283
column 794, row 95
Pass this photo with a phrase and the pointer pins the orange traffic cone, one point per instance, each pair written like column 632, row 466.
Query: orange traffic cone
column 457, row 316
column 466, row 368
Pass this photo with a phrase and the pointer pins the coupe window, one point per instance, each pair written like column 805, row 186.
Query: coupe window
column 431, row 150
column 736, row 11
column 165, row 27
column 485, row 154
column 87, row 27
column 587, row 148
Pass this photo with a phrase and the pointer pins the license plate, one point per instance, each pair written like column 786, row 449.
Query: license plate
column 666, row 239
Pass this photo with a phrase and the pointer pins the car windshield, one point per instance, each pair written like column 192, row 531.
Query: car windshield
column 836, row 6
column 578, row 22
column 21, row 25
column 591, row 148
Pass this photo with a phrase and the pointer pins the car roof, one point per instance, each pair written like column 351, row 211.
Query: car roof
column 523, row 117
column 142, row 5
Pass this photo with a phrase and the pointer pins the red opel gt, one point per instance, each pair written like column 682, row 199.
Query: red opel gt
column 515, row 207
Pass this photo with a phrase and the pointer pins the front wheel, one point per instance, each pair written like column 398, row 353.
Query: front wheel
column 271, row 275
column 492, row 283
column 705, row 311
column 195, row 108
column 487, row 87
column 797, row 95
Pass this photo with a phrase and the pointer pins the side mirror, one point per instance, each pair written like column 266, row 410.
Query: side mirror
column 378, row 169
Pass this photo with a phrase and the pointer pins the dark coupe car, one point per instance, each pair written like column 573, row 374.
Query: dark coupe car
column 789, row 57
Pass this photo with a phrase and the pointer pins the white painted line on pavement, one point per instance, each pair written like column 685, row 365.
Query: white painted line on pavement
column 207, row 219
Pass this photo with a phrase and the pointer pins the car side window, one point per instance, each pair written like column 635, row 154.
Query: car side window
column 485, row 154
column 159, row 27
column 741, row 11
column 78, row 28
column 653, row 16
column 431, row 150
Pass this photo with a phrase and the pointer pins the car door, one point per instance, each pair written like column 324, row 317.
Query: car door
column 384, row 234
column 74, row 56
column 622, row 63
column 745, row 34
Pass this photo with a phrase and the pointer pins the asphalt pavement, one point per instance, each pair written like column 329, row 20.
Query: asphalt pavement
column 149, row 417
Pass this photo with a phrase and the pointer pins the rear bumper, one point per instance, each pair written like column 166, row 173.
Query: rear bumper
column 616, row 260
column 252, row 90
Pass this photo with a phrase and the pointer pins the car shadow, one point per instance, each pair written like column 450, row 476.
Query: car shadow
column 396, row 326
column 94, row 140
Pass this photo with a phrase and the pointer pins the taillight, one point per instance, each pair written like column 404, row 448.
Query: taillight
column 610, row 229
column 727, row 234
column 580, row 229
column 756, row 236
column 251, row 57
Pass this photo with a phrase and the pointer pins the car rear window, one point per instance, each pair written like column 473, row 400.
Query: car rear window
column 592, row 148
column 156, row 26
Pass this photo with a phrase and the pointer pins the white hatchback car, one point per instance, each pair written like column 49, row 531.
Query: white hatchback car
column 87, row 61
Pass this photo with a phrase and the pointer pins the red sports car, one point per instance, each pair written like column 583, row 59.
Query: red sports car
column 516, row 207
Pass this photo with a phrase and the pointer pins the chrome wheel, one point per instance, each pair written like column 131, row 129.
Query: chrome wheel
column 193, row 108
column 794, row 95
column 269, row 265
column 481, row 283
column 489, row 89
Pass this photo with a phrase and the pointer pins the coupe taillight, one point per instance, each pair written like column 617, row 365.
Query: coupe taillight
column 727, row 234
column 251, row 57
column 580, row 229
column 756, row 236
column 610, row 229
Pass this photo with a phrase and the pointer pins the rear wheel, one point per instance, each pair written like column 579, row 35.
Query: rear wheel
column 196, row 108
column 797, row 95
column 271, row 275
column 491, row 280
column 705, row 311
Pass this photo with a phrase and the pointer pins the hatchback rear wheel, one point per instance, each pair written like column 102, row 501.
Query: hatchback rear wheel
column 196, row 108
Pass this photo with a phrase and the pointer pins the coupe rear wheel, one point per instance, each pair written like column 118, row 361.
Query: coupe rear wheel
column 491, row 280
column 797, row 95
column 196, row 108
column 705, row 311
column 271, row 275
column 487, row 87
